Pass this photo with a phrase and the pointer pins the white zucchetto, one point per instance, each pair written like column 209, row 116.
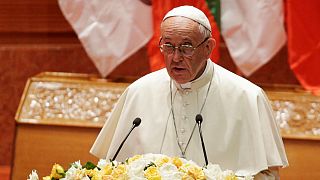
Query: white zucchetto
column 191, row 13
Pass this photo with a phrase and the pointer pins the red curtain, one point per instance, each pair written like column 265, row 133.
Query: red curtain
column 160, row 8
column 303, row 24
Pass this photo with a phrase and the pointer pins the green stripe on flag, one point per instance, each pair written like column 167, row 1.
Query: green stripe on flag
column 214, row 6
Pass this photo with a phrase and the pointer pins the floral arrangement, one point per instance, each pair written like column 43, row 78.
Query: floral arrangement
column 140, row 167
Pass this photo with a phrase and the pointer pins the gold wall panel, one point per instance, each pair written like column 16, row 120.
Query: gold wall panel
column 68, row 99
column 296, row 111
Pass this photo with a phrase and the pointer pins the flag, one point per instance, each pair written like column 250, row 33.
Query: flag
column 303, row 24
column 159, row 9
column 110, row 31
column 253, row 31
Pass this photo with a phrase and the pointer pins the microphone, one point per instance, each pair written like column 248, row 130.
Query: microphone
column 136, row 123
column 199, row 121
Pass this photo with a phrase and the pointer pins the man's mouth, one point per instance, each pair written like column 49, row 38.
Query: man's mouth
column 178, row 69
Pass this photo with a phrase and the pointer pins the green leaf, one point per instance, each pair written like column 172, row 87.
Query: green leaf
column 89, row 165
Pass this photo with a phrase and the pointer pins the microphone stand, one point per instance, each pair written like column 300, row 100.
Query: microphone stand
column 199, row 121
column 136, row 123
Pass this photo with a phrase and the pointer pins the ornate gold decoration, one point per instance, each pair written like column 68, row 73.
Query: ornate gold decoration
column 69, row 100
column 297, row 112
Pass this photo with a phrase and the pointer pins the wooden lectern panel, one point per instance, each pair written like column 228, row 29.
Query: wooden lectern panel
column 58, row 120
column 40, row 146
column 304, row 159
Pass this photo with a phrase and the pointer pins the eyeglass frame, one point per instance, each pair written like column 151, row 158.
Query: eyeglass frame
column 179, row 47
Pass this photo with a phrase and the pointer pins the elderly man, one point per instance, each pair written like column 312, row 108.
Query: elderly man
column 238, row 127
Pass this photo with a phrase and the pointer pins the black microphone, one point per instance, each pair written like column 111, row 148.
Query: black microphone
column 199, row 121
column 136, row 123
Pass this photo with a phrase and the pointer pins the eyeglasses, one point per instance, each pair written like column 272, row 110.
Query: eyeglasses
column 185, row 49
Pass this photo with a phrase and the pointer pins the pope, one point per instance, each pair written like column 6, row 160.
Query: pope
column 238, row 128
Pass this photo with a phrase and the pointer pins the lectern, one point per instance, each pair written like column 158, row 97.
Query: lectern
column 58, row 119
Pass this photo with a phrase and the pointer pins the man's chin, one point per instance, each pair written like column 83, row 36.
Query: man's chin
column 180, row 77
column 180, row 80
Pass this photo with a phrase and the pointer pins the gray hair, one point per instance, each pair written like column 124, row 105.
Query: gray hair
column 204, row 31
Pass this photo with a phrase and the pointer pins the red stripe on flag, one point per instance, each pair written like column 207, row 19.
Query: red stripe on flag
column 304, row 42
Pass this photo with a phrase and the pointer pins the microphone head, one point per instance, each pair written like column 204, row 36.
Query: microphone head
column 199, row 118
column 136, row 122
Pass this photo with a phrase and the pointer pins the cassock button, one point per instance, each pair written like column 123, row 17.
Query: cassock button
column 182, row 130
column 185, row 118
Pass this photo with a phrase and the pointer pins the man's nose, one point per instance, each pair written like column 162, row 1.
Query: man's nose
column 177, row 55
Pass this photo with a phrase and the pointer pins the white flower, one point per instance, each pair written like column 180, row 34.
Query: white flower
column 103, row 163
column 136, row 167
column 33, row 175
column 85, row 178
column 75, row 172
column 213, row 172
column 77, row 165
column 71, row 173
column 164, row 166
column 170, row 172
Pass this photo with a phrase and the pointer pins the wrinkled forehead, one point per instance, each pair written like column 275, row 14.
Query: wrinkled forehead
column 181, row 28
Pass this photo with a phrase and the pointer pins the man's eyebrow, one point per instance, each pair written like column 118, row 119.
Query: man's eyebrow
column 187, row 41
column 166, row 38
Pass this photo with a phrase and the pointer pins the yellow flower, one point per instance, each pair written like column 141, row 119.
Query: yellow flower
column 231, row 177
column 57, row 171
column 89, row 172
column 107, row 170
column 120, row 172
column 192, row 172
column 99, row 175
column 196, row 173
column 96, row 177
column 152, row 173
column 107, row 177
column 159, row 162
column 136, row 157
column 46, row 178
column 177, row 162
column 93, row 173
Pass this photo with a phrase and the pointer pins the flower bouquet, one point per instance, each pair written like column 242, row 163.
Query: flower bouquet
column 140, row 167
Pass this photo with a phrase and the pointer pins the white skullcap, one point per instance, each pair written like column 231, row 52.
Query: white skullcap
column 191, row 13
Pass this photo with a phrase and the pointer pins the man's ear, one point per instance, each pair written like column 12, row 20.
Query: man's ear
column 210, row 45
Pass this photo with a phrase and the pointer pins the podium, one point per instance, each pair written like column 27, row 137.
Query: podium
column 58, row 119
column 61, row 114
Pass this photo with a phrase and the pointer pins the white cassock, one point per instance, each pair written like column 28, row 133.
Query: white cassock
column 239, row 129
